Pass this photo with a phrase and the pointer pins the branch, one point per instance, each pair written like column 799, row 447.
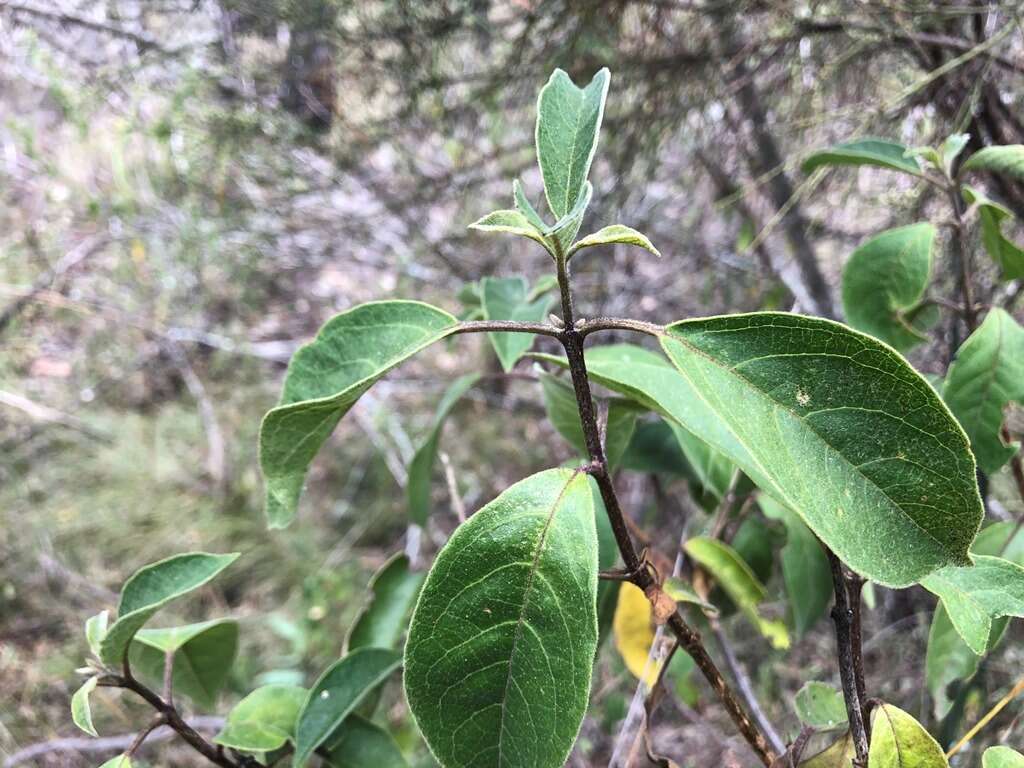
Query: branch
column 687, row 638
column 848, row 642
column 145, row 42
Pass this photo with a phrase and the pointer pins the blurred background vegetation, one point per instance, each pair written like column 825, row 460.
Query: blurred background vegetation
column 191, row 187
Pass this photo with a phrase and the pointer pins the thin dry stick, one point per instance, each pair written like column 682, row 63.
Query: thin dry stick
column 1014, row 693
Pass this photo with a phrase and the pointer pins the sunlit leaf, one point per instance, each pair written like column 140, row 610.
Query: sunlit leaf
column 264, row 720
column 820, row 705
column 987, row 375
column 336, row 694
column 877, row 152
column 899, row 741
column 203, row 656
column 393, row 591
column 493, row 653
column 568, row 123
column 884, row 280
column 153, row 587
column 422, row 465
column 81, row 711
column 326, row 377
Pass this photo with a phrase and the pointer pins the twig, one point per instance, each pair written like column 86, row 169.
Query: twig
column 453, row 487
column 572, row 342
column 844, row 615
column 145, row 42
column 47, row 415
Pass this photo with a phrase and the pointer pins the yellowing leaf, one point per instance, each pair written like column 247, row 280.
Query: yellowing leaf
column 633, row 630
column 899, row 741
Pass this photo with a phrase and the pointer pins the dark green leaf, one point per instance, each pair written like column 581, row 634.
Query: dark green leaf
column 421, row 467
column 885, row 279
column 987, row 375
column 614, row 234
column 805, row 568
column 876, row 152
column 497, row 667
column 264, row 720
column 393, row 593
column 568, row 123
column 654, row 448
column 362, row 744
column 153, row 587
column 326, row 377
column 899, row 741
column 337, row 692
column 840, row 429
column 1007, row 254
column 821, row 706
column 81, row 712
column 203, row 655
column 713, row 470
column 507, row 298
column 562, row 411
column 1008, row 160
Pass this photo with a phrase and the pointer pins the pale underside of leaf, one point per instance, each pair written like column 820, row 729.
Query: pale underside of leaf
column 612, row 235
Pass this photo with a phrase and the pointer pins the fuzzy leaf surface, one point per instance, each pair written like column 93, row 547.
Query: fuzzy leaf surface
column 502, row 641
column 151, row 588
column 568, row 124
column 326, row 377
column 885, row 278
column 839, row 428
column 333, row 697
column 986, row 376
column 264, row 720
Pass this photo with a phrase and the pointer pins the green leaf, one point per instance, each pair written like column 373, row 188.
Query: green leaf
column 614, row 234
column 837, row 427
column 1008, row 160
column 951, row 149
column 422, row 465
column 682, row 592
column 513, row 223
column 562, row 412
column 805, row 568
column 713, row 470
column 362, row 744
column 121, row 761
column 326, row 377
column 394, row 589
column 948, row 657
column 333, row 697
column 877, row 152
column 494, row 655
column 988, row 375
column 568, row 123
column 565, row 229
column 507, row 298
column 95, row 629
column 153, row 587
column 838, row 755
column 820, row 705
column 735, row 576
column 203, row 656
column 81, row 712
column 264, row 720
column 975, row 595
column 1002, row 757
column 654, row 448
column 899, row 741
column 884, row 279
column 1004, row 252
column 524, row 206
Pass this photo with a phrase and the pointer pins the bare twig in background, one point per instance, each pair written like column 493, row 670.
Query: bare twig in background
column 47, row 415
